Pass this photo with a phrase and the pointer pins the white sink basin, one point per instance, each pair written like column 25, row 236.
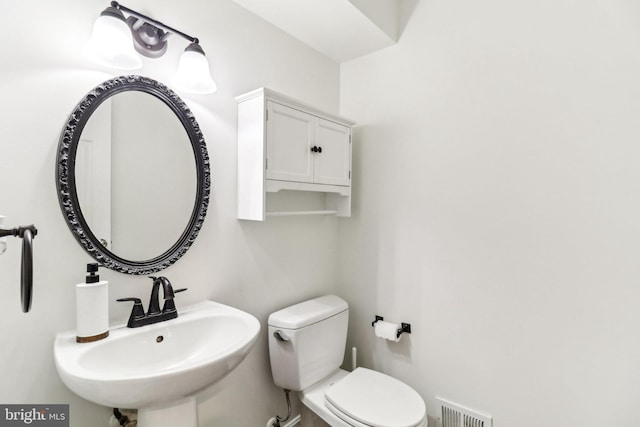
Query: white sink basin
column 158, row 365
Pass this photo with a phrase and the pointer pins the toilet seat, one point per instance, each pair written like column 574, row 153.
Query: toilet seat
column 366, row 398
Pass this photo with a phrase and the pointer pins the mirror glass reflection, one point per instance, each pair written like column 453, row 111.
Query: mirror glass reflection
column 136, row 175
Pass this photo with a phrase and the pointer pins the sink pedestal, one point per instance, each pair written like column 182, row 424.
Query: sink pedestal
column 183, row 413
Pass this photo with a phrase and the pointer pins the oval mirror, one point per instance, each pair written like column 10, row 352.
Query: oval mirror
column 133, row 175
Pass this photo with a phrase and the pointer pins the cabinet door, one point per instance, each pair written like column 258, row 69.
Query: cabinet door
column 290, row 135
column 333, row 163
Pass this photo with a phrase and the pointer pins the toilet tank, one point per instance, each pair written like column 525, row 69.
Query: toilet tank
column 307, row 341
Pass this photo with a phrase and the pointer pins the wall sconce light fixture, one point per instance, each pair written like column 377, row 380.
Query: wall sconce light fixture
column 117, row 42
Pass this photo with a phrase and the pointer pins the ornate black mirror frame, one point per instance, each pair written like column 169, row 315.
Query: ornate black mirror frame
column 66, row 179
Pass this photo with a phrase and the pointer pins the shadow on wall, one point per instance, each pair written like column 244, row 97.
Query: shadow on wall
column 406, row 11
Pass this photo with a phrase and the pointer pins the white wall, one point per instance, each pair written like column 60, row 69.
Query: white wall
column 255, row 267
column 495, row 205
column 496, row 208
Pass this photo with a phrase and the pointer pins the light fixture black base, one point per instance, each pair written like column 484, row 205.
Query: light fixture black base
column 148, row 39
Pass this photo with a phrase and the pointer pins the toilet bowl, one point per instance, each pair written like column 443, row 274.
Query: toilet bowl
column 306, row 348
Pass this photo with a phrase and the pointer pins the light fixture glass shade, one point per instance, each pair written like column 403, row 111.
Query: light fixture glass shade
column 111, row 43
column 193, row 73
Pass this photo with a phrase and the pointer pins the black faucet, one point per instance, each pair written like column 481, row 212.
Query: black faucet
column 154, row 314
column 154, row 301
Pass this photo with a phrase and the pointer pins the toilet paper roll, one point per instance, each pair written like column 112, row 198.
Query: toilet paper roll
column 387, row 330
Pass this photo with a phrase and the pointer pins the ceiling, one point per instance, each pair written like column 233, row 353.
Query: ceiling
column 340, row 29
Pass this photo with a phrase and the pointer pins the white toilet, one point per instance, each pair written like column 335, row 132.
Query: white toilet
column 306, row 348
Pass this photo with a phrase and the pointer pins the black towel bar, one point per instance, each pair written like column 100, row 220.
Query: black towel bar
column 27, row 234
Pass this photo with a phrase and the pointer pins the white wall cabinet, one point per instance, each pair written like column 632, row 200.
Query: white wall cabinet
column 286, row 145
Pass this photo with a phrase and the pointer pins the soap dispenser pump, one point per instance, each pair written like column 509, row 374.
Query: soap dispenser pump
column 92, row 307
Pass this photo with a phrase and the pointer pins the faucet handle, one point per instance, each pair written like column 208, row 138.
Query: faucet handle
column 135, row 300
column 137, row 312
column 137, row 305
column 169, row 305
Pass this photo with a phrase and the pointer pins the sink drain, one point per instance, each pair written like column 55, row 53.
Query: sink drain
column 160, row 338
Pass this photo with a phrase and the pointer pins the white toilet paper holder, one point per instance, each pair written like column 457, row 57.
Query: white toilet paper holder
column 404, row 327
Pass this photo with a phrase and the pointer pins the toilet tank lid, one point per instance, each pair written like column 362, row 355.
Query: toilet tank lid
column 308, row 312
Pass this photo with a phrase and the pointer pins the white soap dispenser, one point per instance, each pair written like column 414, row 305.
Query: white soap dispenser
column 92, row 307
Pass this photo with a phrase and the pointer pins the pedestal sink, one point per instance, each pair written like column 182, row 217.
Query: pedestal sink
column 158, row 369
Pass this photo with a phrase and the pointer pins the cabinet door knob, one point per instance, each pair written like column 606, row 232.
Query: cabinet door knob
column 319, row 149
column 314, row 149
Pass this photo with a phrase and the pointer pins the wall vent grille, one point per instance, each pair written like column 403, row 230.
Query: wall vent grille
column 454, row 415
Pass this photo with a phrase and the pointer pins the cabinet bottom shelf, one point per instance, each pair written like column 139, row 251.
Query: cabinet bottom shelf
column 294, row 203
column 300, row 213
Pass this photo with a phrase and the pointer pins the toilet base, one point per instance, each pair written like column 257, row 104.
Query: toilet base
column 313, row 398
column 308, row 418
